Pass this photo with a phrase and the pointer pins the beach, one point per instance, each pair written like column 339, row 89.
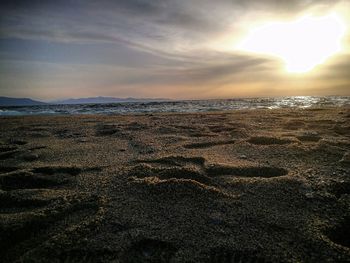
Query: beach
column 262, row 185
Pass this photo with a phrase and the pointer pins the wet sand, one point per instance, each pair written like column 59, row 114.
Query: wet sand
column 240, row 186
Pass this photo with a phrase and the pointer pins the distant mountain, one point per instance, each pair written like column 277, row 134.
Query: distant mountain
column 6, row 101
column 97, row 100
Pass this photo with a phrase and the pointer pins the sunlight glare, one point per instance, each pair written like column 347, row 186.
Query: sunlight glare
column 301, row 44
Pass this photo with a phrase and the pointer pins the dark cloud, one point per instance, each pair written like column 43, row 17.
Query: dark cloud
column 147, row 23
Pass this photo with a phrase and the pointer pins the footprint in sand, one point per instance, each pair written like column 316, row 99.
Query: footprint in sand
column 202, row 145
column 262, row 140
column 38, row 203
column 67, row 134
column 17, row 148
column 188, row 174
column 309, row 136
column 343, row 130
column 164, row 173
column 340, row 233
column 339, row 189
column 8, row 151
column 221, row 128
column 216, row 170
column 107, row 130
column 7, row 169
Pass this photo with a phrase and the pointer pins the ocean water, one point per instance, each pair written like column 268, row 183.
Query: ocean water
column 179, row 106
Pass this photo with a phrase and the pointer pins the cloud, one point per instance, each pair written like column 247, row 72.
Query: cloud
column 337, row 69
column 134, row 21
column 166, row 42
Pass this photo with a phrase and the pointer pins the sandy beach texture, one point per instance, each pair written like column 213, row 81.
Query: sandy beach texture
column 240, row 186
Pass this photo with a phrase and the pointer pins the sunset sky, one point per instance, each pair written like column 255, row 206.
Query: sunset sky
column 180, row 49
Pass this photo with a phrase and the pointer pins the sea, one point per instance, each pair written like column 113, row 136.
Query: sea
column 178, row 106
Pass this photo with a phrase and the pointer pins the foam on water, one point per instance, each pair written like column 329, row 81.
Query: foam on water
column 179, row 106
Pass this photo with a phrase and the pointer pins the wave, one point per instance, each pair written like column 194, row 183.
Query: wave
column 179, row 106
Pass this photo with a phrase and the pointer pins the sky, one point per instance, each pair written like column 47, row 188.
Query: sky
column 177, row 49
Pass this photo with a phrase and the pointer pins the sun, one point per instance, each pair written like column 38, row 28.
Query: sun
column 302, row 44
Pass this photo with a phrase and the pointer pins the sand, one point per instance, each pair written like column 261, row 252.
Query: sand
column 240, row 186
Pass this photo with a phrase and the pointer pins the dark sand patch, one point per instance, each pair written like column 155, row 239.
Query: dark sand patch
column 262, row 140
column 29, row 156
column 201, row 134
column 167, row 130
column 309, row 138
column 340, row 234
column 31, row 230
column 221, row 128
column 27, row 180
column 84, row 255
column 16, row 202
column 175, row 160
column 106, row 130
column 38, row 178
column 294, row 125
column 249, row 171
column 17, row 142
column 201, row 145
column 8, row 154
column 39, row 134
column 67, row 134
column 149, row 250
column 7, row 148
column 340, row 188
column 8, row 169
column 223, row 255
column 142, row 171
column 50, row 170
column 341, row 129
column 135, row 126
column 140, row 147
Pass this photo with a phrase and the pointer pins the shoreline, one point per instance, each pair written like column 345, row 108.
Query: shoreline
column 232, row 111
